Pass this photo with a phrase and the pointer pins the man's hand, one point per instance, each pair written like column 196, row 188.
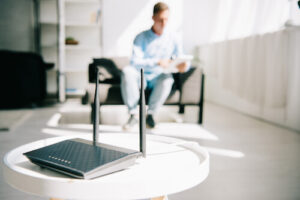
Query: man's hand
column 182, row 67
column 164, row 63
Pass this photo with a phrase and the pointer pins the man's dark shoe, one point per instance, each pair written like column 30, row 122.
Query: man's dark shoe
column 150, row 123
column 132, row 121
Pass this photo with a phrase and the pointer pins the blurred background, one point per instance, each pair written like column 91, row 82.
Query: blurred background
column 248, row 51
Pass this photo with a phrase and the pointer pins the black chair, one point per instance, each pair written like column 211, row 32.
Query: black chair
column 188, row 87
column 22, row 79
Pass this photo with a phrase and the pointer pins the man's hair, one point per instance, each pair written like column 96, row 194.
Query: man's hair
column 160, row 6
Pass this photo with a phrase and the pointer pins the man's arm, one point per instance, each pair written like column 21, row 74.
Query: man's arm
column 138, row 55
column 184, row 66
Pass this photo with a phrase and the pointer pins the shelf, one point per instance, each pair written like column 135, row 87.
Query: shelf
column 76, row 70
column 81, row 20
column 76, row 47
column 82, row 47
column 78, row 1
column 82, row 24
column 50, row 46
column 75, row 92
column 72, row 24
column 50, row 23
column 82, row 1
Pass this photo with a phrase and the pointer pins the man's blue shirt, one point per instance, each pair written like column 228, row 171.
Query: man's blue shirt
column 149, row 48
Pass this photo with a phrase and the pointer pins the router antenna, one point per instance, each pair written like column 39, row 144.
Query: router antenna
column 142, row 117
column 96, row 109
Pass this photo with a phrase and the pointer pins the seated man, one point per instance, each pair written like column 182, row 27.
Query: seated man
column 152, row 50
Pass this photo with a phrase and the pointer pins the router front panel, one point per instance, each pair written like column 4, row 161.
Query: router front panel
column 77, row 157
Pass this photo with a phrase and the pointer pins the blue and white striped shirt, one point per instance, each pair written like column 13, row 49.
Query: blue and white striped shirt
column 149, row 48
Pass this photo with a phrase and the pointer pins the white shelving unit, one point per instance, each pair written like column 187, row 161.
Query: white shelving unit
column 78, row 19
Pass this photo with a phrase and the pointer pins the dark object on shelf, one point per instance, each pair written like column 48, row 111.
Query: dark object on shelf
column 22, row 79
column 71, row 41
column 188, row 87
column 95, row 159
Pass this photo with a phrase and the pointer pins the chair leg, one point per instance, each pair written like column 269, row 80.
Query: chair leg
column 200, row 119
column 181, row 109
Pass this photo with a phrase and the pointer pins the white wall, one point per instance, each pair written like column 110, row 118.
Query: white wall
column 208, row 22
column 123, row 20
column 16, row 25
column 218, row 20
column 199, row 19
column 295, row 12
column 258, row 75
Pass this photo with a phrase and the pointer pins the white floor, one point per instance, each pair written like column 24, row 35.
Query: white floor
column 250, row 159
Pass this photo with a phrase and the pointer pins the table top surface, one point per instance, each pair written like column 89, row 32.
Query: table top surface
column 171, row 166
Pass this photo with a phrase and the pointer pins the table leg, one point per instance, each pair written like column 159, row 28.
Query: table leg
column 160, row 198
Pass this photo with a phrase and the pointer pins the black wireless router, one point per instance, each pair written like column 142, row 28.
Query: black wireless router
column 89, row 159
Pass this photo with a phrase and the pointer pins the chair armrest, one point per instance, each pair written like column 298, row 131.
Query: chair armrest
column 48, row 66
column 191, row 87
column 108, row 71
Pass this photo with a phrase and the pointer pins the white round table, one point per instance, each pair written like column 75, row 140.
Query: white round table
column 171, row 166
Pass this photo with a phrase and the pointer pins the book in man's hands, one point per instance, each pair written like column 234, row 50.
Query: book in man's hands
column 172, row 68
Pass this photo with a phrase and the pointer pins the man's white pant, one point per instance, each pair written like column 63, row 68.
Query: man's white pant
column 161, row 87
